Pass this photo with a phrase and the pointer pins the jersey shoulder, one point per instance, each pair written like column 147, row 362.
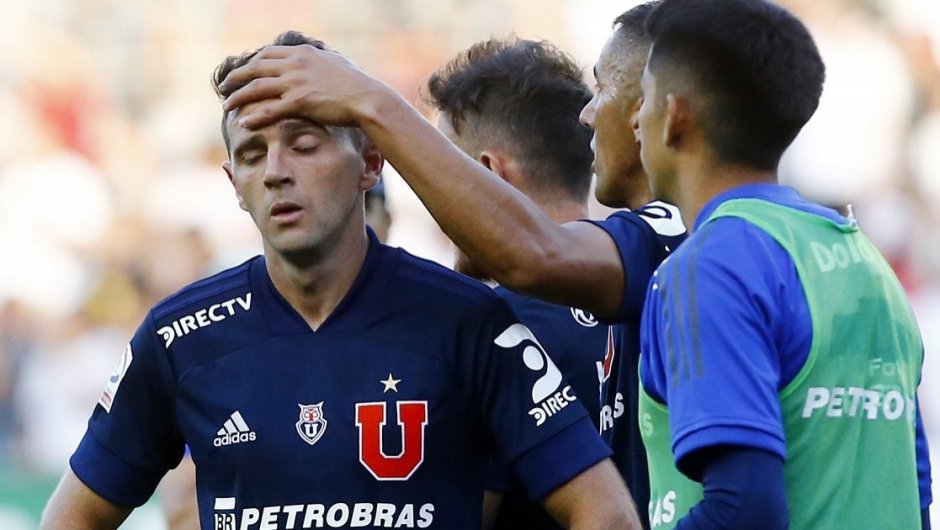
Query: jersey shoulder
column 220, row 301
column 438, row 285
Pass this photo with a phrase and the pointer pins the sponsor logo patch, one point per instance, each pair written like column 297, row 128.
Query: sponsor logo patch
column 234, row 431
column 203, row 318
column 114, row 382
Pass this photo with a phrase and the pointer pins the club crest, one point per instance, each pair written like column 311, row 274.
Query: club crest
column 312, row 424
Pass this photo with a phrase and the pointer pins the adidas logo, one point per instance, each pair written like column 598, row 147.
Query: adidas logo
column 234, row 431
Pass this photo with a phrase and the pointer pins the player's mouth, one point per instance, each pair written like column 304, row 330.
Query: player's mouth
column 285, row 212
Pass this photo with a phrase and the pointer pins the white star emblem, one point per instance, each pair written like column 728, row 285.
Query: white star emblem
column 390, row 383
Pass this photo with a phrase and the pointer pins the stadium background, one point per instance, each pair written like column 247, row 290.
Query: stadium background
column 111, row 194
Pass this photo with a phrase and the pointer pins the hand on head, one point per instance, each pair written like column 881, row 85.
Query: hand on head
column 297, row 81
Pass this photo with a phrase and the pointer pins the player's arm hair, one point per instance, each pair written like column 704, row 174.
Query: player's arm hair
column 75, row 506
column 596, row 498
column 496, row 225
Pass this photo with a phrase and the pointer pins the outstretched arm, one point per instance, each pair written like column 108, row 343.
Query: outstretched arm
column 75, row 506
column 497, row 226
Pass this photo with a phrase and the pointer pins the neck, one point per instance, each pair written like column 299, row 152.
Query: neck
column 564, row 211
column 315, row 285
column 701, row 183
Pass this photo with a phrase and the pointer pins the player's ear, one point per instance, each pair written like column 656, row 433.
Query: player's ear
column 373, row 162
column 679, row 118
column 493, row 161
column 227, row 166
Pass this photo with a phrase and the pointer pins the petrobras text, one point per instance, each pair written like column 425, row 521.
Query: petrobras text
column 339, row 515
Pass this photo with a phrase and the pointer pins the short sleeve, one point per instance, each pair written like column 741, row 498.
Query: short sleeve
column 644, row 239
column 132, row 438
column 712, row 317
column 537, row 424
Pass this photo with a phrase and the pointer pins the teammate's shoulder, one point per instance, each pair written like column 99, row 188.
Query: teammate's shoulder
column 416, row 273
column 221, row 287
column 659, row 219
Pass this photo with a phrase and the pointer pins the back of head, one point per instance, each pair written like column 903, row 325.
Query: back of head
column 749, row 68
column 524, row 97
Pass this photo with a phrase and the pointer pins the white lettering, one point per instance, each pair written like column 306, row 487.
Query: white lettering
column 189, row 324
column 245, row 302
column 269, row 517
column 362, row 515
column 835, row 402
column 552, row 404
column 841, row 255
column 383, row 514
column 854, row 402
column 212, row 314
column 662, row 510
column 250, row 516
column 292, row 510
column 406, row 518
column 230, row 305
column 314, row 514
column 893, row 405
column 816, row 398
column 337, row 515
column 202, row 318
column 870, row 400
column 607, row 418
column 426, row 515
column 823, row 257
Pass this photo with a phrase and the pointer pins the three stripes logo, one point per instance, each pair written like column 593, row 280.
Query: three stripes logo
column 234, row 431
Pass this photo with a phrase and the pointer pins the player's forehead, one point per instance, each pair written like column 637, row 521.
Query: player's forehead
column 289, row 126
column 618, row 57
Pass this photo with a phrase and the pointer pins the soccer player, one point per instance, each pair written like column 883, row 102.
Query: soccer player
column 178, row 488
column 781, row 358
column 513, row 105
column 601, row 267
column 332, row 382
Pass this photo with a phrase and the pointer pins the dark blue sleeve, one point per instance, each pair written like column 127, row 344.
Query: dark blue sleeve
column 132, row 438
column 536, row 423
column 923, row 461
column 558, row 460
column 743, row 488
column 720, row 371
column 643, row 238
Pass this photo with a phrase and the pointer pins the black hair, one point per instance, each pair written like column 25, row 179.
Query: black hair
column 527, row 95
column 755, row 71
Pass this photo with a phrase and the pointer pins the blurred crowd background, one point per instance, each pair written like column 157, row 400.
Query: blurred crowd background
column 112, row 196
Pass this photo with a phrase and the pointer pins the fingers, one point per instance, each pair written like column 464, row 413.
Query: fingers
column 255, row 90
column 262, row 113
column 255, row 69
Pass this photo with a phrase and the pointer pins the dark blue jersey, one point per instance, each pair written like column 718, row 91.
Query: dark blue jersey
column 644, row 239
column 576, row 341
column 383, row 417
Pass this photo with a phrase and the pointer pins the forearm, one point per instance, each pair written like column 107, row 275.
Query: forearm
column 732, row 498
column 73, row 505
column 494, row 224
